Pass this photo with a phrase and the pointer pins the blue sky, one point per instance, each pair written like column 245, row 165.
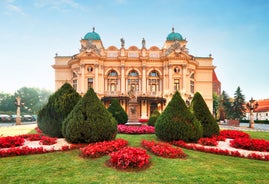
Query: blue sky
column 235, row 32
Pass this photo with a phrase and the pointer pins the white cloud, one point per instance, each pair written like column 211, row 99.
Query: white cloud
column 12, row 8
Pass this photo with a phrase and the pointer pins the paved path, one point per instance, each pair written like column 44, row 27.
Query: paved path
column 17, row 129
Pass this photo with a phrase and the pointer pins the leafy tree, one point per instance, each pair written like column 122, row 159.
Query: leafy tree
column 118, row 112
column 177, row 123
column 60, row 104
column 33, row 98
column 238, row 104
column 89, row 121
column 203, row 114
column 216, row 105
column 154, row 116
column 226, row 106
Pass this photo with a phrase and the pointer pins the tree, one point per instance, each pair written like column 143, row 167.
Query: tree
column 238, row 105
column 60, row 104
column 118, row 112
column 89, row 121
column 216, row 105
column 153, row 117
column 177, row 123
column 225, row 106
column 203, row 114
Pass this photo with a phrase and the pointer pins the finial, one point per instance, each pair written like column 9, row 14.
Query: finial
column 173, row 29
column 93, row 29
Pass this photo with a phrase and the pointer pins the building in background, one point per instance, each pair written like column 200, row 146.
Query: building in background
column 216, row 84
column 143, row 79
column 261, row 112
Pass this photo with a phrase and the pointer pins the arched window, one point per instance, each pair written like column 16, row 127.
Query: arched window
column 154, row 82
column 75, row 81
column 133, row 81
column 112, row 81
column 192, row 83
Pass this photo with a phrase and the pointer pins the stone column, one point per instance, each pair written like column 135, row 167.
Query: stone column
column 96, row 76
column 82, row 78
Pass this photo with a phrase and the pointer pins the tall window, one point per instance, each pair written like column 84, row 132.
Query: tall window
column 133, row 81
column 112, row 81
column 176, row 84
column 192, row 83
column 90, row 83
column 154, row 81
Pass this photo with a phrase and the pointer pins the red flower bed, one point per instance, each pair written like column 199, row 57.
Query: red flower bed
column 143, row 120
column 10, row 142
column 250, row 144
column 144, row 129
column 233, row 134
column 163, row 149
column 47, row 140
column 32, row 137
column 129, row 157
column 99, row 149
column 181, row 143
column 208, row 141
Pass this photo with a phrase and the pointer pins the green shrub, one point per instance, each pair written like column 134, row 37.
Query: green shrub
column 153, row 117
column 177, row 123
column 118, row 112
column 60, row 104
column 202, row 113
column 89, row 121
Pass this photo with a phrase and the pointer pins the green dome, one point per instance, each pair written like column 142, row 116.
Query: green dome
column 92, row 36
column 174, row 36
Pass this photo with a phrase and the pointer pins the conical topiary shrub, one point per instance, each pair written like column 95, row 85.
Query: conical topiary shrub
column 118, row 112
column 177, row 123
column 153, row 117
column 89, row 121
column 60, row 104
column 202, row 113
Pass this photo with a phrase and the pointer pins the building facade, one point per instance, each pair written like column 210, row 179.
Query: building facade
column 142, row 79
column 261, row 112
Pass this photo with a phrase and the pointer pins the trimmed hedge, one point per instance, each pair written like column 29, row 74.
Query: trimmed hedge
column 177, row 122
column 60, row 104
column 153, row 118
column 203, row 114
column 118, row 112
column 89, row 121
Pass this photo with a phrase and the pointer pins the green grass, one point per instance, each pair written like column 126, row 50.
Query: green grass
column 68, row 167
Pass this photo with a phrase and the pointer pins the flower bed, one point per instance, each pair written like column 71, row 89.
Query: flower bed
column 144, row 129
column 99, row 149
column 250, row 144
column 219, row 151
column 208, row 141
column 129, row 158
column 233, row 134
column 47, row 140
column 11, row 141
column 163, row 149
column 143, row 120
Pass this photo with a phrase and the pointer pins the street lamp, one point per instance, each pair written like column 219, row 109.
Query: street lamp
column 18, row 103
column 251, row 105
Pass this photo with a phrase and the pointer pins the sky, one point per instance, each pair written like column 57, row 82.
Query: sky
column 235, row 32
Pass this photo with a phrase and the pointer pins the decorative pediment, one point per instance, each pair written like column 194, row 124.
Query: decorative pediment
column 91, row 53
column 90, row 47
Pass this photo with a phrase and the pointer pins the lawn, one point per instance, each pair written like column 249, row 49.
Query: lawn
column 68, row 167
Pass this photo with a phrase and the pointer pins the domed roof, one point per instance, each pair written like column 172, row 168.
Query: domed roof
column 174, row 36
column 92, row 35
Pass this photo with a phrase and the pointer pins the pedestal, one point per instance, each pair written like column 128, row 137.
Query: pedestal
column 133, row 112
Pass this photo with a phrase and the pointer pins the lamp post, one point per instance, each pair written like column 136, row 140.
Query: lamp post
column 18, row 103
column 251, row 105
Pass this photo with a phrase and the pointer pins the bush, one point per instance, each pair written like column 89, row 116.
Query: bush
column 202, row 113
column 153, row 117
column 118, row 112
column 177, row 122
column 60, row 104
column 89, row 121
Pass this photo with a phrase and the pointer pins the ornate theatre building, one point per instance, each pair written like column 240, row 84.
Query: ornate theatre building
column 142, row 79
